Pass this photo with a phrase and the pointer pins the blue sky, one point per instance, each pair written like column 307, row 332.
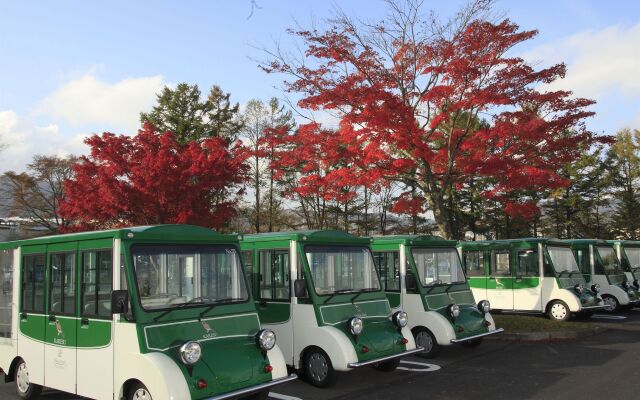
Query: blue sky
column 71, row 68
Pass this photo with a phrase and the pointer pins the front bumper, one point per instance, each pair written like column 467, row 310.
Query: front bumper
column 382, row 359
column 254, row 389
column 481, row 335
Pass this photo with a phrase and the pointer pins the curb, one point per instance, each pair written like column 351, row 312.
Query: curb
column 551, row 336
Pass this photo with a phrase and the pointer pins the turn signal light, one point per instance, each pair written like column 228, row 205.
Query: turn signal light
column 268, row 368
column 202, row 384
column 404, row 341
column 364, row 349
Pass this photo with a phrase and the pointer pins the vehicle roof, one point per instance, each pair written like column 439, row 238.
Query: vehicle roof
column 632, row 243
column 149, row 232
column 414, row 240
column 503, row 242
column 324, row 236
column 585, row 241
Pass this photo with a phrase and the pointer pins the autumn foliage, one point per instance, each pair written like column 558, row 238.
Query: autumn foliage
column 151, row 178
column 428, row 110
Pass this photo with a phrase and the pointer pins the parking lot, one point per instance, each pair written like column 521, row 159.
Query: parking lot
column 603, row 366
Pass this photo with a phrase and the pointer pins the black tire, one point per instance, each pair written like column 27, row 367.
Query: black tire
column 264, row 395
column 25, row 389
column 317, row 368
column 472, row 343
column 139, row 392
column 612, row 305
column 558, row 311
column 424, row 338
column 387, row 366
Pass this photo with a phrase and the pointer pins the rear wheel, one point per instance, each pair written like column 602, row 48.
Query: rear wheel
column 139, row 392
column 425, row 339
column 611, row 304
column 472, row 343
column 387, row 366
column 559, row 311
column 318, row 370
column 24, row 388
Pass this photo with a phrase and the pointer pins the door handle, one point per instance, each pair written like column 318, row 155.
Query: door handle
column 84, row 322
column 52, row 318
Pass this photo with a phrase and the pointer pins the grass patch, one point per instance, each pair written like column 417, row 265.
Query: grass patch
column 527, row 323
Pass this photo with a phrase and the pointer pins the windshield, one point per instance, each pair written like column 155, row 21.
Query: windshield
column 172, row 276
column 633, row 256
column 607, row 258
column 563, row 260
column 438, row 266
column 337, row 269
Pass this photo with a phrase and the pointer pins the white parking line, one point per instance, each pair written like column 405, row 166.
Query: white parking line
column 601, row 316
column 282, row 396
column 423, row 367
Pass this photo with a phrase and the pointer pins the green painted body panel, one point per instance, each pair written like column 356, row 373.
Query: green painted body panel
column 274, row 312
column 394, row 299
column 61, row 332
column 33, row 326
column 94, row 333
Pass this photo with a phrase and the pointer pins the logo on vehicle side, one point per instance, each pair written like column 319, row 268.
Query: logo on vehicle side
column 60, row 333
column 210, row 333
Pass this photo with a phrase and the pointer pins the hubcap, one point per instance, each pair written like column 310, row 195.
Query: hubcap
column 318, row 367
column 141, row 394
column 609, row 303
column 423, row 339
column 22, row 378
column 558, row 311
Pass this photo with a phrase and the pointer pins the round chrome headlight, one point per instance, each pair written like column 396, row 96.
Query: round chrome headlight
column 400, row 319
column 454, row 310
column 355, row 326
column 266, row 339
column 595, row 288
column 484, row 306
column 190, row 353
column 579, row 287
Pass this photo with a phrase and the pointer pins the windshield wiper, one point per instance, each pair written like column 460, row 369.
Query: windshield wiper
column 335, row 292
column 360, row 292
column 195, row 300
column 214, row 304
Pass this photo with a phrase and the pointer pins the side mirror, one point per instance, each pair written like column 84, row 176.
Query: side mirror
column 300, row 288
column 410, row 282
column 119, row 302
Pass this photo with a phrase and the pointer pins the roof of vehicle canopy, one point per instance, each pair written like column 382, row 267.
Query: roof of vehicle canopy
column 511, row 243
column 315, row 236
column 414, row 240
column 630, row 243
column 585, row 242
column 150, row 232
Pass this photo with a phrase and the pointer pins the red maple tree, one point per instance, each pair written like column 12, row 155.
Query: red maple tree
column 151, row 178
column 430, row 106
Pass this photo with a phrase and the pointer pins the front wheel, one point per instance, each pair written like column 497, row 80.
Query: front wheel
column 139, row 392
column 387, row 366
column 318, row 370
column 425, row 339
column 24, row 388
column 472, row 343
column 559, row 311
column 611, row 304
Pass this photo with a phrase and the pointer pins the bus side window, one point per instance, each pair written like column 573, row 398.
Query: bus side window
column 97, row 268
column 6, row 297
column 33, row 283
column 582, row 257
column 500, row 265
column 274, row 275
column 474, row 263
column 62, row 283
column 388, row 265
column 528, row 263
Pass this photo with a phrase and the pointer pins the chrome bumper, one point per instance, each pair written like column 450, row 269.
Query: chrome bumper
column 493, row 332
column 254, row 389
column 383, row 359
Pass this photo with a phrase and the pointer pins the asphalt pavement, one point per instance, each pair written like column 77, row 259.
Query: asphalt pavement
column 603, row 366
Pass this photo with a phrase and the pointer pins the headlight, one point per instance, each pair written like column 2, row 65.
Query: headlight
column 266, row 339
column 454, row 310
column 400, row 318
column 190, row 352
column 596, row 288
column 355, row 325
column 579, row 287
column 484, row 306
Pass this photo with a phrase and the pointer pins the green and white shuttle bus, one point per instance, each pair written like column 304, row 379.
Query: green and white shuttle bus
column 319, row 291
column 628, row 252
column 161, row 312
column 536, row 275
column 423, row 276
column 600, row 266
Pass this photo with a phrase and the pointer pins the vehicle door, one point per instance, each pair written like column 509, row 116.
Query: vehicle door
column 527, row 289
column 60, row 327
column 388, row 265
column 500, row 282
column 475, row 268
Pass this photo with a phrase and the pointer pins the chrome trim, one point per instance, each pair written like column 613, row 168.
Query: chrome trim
column 253, row 389
column 498, row 330
column 381, row 359
column 592, row 308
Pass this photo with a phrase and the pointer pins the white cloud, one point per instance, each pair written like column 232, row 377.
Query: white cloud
column 599, row 63
column 25, row 140
column 87, row 100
